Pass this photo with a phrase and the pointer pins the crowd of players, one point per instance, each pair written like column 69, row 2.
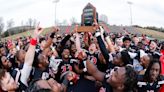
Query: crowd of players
column 82, row 62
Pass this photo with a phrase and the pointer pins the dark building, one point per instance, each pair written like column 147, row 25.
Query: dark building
column 88, row 15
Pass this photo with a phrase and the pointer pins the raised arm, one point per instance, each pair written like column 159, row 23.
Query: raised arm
column 29, row 58
column 78, row 45
column 50, row 39
column 110, row 45
column 109, row 42
column 101, row 43
column 102, row 46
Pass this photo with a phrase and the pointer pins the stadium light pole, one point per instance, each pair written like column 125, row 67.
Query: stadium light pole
column 55, row 1
column 130, row 6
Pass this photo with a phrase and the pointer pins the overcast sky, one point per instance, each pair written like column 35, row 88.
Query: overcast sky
column 144, row 12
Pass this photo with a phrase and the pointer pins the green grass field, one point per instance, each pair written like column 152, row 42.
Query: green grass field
column 154, row 34
column 27, row 33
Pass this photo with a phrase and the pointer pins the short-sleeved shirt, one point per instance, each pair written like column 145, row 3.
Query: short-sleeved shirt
column 21, row 77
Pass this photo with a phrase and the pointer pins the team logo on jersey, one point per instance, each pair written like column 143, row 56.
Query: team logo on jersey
column 93, row 60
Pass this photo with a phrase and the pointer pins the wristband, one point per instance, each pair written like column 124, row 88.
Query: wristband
column 85, row 65
column 97, row 34
column 52, row 35
column 33, row 42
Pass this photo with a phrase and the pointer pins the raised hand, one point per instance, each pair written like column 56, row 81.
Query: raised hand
column 55, row 29
column 75, row 28
column 95, row 25
column 38, row 30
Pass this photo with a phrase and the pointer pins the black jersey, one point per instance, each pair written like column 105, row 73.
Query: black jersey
column 21, row 77
column 16, row 74
column 149, row 87
column 65, row 66
column 94, row 58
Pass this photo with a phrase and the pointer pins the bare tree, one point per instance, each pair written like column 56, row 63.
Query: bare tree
column 34, row 22
column 29, row 22
column 73, row 20
column 1, row 25
column 23, row 26
column 10, row 23
column 64, row 22
column 103, row 18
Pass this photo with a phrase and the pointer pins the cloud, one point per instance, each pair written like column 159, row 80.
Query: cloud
column 145, row 12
